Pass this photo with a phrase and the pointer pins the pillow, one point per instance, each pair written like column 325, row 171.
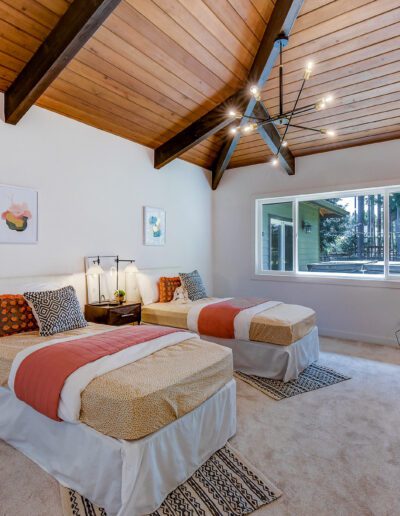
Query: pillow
column 168, row 287
column 148, row 287
column 193, row 284
column 56, row 310
column 181, row 296
column 15, row 315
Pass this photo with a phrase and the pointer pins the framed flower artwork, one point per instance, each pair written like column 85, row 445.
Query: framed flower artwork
column 154, row 226
column 18, row 215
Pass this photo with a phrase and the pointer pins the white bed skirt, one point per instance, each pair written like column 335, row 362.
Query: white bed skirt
column 127, row 478
column 272, row 360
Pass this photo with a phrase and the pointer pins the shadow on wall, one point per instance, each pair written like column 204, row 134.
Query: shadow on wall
column 2, row 107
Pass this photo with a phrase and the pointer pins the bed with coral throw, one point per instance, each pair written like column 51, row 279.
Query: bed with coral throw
column 167, row 384
column 147, row 405
column 268, row 338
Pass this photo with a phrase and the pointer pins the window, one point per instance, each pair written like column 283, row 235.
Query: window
column 345, row 234
column 277, row 237
column 394, row 233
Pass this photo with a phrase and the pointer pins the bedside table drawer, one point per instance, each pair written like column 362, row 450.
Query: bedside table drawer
column 115, row 315
column 124, row 315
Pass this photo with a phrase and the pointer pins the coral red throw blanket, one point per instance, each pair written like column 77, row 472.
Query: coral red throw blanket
column 40, row 377
column 218, row 319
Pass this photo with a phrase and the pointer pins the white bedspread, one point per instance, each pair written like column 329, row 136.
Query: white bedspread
column 127, row 478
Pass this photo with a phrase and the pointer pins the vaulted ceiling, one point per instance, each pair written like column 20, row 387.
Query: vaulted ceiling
column 155, row 66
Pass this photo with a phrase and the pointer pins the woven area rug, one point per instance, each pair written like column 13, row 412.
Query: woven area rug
column 313, row 377
column 224, row 485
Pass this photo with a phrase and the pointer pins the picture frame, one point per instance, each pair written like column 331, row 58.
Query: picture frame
column 154, row 226
column 18, row 215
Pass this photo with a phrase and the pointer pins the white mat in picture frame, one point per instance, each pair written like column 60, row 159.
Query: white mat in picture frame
column 18, row 215
column 154, row 226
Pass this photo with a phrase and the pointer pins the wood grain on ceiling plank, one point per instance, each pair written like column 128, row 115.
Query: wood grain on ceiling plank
column 182, row 61
column 362, row 139
column 114, row 52
column 131, row 72
column 340, row 42
column 310, row 83
column 348, row 132
column 346, row 103
column 282, row 20
column 77, row 25
column 333, row 75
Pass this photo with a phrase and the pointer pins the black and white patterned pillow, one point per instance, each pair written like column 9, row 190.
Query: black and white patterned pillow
column 56, row 310
column 193, row 284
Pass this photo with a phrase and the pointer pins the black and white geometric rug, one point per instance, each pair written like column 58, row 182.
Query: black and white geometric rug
column 225, row 485
column 313, row 377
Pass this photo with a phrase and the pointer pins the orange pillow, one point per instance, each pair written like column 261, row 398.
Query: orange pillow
column 15, row 315
column 167, row 288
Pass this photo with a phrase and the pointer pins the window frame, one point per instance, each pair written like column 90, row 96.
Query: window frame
column 324, row 277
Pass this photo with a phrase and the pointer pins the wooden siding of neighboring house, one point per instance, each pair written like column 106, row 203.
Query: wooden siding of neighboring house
column 308, row 243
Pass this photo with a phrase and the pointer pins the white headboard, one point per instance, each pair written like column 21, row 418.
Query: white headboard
column 19, row 285
column 170, row 271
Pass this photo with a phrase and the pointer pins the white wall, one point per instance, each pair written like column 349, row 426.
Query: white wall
column 92, row 187
column 355, row 312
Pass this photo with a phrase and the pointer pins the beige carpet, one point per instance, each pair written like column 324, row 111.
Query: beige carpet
column 333, row 451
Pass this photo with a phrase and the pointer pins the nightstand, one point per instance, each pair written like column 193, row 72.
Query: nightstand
column 113, row 314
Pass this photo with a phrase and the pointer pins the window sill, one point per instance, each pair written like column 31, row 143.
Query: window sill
column 346, row 281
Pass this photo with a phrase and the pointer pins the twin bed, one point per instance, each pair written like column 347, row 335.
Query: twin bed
column 282, row 338
column 143, row 428
column 134, row 423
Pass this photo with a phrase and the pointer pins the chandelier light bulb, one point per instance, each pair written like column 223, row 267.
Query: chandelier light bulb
column 249, row 127
column 254, row 90
column 249, row 122
column 308, row 70
column 275, row 162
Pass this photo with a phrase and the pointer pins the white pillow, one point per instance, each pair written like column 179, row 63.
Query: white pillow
column 148, row 287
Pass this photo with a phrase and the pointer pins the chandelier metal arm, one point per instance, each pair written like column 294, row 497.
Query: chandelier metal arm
column 287, row 114
column 254, row 119
column 291, row 115
column 280, row 79
column 304, row 109
column 306, row 128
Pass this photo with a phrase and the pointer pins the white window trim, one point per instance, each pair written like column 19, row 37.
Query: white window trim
column 378, row 280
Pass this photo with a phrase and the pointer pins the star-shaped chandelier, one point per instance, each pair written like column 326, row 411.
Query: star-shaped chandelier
column 284, row 119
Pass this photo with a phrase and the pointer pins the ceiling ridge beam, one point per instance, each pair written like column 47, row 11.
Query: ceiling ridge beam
column 282, row 18
column 281, row 22
column 72, row 31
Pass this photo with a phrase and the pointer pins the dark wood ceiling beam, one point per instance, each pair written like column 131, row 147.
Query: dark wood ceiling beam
column 272, row 138
column 282, row 18
column 73, row 30
column 281, row 22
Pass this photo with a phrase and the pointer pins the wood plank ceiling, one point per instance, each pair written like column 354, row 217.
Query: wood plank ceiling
column 155, row 66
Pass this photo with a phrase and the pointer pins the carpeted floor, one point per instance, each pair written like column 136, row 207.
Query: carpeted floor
column 333, row 451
